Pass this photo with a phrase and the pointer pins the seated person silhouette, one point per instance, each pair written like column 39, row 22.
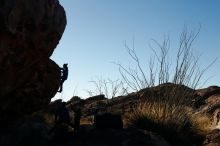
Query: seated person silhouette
column 64, row 75
column 77, row 117
column 62, row 115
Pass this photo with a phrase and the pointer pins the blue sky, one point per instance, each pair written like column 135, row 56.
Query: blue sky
column 97, row 30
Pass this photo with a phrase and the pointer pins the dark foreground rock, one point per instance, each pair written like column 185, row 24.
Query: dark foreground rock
column 123, row 137
column 108, row 120
column 29, row 32
column 30, row 132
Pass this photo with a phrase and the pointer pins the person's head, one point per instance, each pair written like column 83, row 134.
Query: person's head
column 63, row 104
column 65, row 65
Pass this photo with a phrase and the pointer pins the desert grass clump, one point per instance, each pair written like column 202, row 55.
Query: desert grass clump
column 201, row 123
column 176, row 123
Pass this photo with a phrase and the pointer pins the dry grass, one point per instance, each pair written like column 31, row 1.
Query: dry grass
column 175, row 122
column 87, row 120
column 201, row 123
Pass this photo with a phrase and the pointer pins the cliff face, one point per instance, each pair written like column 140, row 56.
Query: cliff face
column 29, row 32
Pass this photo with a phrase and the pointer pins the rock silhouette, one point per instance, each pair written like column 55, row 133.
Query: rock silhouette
column 29, row 32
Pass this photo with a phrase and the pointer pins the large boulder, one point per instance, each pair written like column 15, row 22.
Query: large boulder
column 29, row 32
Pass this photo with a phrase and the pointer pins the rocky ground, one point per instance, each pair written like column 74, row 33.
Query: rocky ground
column 204, row 101
column 36, row 129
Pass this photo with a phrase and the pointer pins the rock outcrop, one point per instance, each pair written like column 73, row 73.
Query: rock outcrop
column 211, row 103
column 29, row 32
column 213, row 138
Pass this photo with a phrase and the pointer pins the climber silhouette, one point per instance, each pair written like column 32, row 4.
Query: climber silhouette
column 64, row 75
column 62, row 115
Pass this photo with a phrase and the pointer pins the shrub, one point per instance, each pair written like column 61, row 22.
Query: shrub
column 177, row 123
column 182, row 67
